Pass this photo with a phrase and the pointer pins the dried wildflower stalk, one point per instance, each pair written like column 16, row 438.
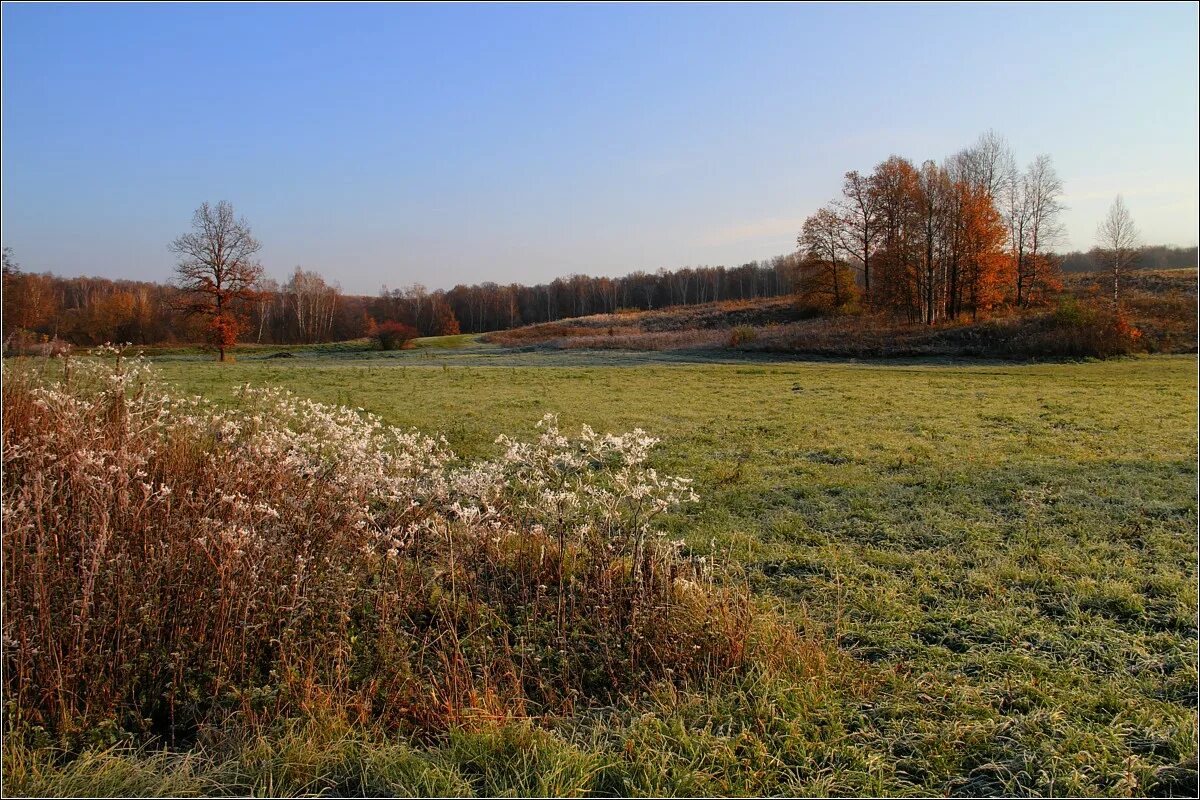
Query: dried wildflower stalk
column 167, row 561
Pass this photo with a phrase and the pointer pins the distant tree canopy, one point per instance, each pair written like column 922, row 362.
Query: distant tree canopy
column 937, row 241
column 307, row 308
column 924, row 242
column 491, row 306
column 1149, row 257
column 88, row 311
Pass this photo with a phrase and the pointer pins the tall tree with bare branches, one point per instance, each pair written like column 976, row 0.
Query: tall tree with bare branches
column 1119, row 242
column 217, row 271
column 824, row 275
column 313, row 304
column 1043, row 191
column 988, row 164
column 934, row 197
column 862, row 225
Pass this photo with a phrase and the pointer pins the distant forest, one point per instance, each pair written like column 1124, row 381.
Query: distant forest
column 1151, row 257
column 307, row 309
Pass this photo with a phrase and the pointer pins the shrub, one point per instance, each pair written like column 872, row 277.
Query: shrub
column 27, row 343
column 741, row 335
column 1088, row 328
column 168, row 562
column 394, row 335
column 825, row 287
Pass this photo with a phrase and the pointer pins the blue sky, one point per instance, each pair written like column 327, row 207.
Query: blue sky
column 439, row 144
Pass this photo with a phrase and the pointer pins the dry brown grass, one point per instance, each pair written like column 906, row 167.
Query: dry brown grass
column 652, row 340
column 607, row 325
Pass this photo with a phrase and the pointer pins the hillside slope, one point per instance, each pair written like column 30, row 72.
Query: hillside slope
column 1160, row 304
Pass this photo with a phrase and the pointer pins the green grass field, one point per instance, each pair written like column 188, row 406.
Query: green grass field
column 1003, row 554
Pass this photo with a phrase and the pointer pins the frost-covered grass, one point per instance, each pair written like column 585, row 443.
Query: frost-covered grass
column 354, row 347
column 170, row 566
column 994, row 565
column 446, row 342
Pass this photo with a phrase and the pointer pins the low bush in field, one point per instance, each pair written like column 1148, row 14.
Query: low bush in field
column 393, row 335
column 27, row 343
column 168, row 563
column 742, row 334
column 1076, row 328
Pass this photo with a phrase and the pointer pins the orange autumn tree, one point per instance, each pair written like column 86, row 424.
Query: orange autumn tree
column 939, row 241
column 894, row 184
column 825, row 280
column 444, row 321
column 217, row 273
column 986, row 268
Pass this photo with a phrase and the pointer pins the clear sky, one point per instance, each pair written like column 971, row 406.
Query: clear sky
column 439, row 144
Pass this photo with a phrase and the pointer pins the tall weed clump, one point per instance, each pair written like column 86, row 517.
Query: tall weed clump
column 169, row 563
column 1081, row 328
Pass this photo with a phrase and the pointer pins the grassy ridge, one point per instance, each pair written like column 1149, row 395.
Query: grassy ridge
column 1159, row 304
column 1004, row 556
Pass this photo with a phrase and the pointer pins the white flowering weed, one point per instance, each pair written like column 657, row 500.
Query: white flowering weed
column 167, row 559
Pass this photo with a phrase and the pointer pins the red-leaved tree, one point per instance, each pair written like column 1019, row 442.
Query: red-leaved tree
column 217, row 272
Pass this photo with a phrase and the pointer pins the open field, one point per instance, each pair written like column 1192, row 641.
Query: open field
column 599, row 400
column 1006, row 551
column 998, row 561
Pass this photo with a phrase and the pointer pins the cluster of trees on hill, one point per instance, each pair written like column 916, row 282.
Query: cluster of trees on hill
column 937, row 241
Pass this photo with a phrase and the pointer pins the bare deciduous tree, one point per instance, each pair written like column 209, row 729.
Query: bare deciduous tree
column 217, row 271
column 1119, row 242
column 1043, row 190
column 265, row 305
column 862, row 229
column 934, row 196
column 313, row 304
column 821, row 240
column 988, row 164
column 1015, row 205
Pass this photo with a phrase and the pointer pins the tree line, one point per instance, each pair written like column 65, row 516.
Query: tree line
column 490, row 306
column 306, row 308
column 927, row 243
column 1149, row 257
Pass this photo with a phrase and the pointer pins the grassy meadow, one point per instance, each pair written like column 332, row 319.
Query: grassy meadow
column 995, row 564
